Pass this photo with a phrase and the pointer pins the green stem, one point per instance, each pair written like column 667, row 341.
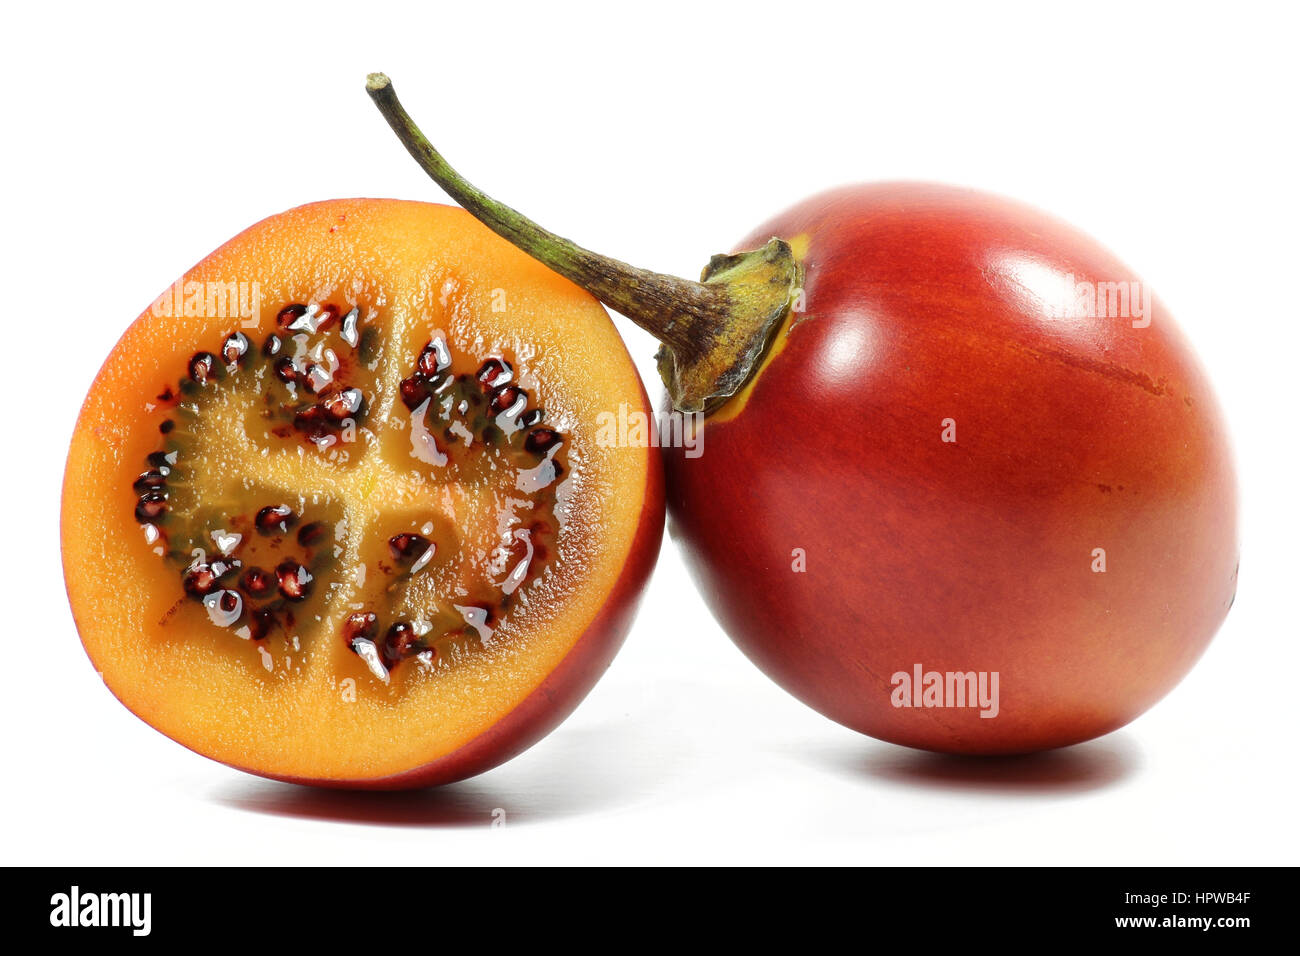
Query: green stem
column 714, row 331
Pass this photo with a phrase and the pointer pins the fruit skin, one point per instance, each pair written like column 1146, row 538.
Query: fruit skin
column 384, row 244
column 925, row 303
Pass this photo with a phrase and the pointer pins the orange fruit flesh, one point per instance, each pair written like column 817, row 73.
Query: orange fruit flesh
column 301, row 704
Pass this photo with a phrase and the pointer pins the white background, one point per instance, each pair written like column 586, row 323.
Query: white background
column 136, row 141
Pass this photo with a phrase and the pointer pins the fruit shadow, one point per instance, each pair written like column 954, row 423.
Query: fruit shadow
column 1094, row 765
column 553, row 780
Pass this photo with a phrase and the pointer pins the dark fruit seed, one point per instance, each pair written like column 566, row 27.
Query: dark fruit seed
column 201, row 579
column 361, row 626
column 284, row 369
column 344, row 404
column 167, row 426
column 408, row 548
column 257, row 582
column 413, row 392
column 541, row 440
column 494, row 373
column 202, row 366
column 151, row 506
column 222, row 567
column 310, row 535
column 295, row 580
column 314, row 378
column 151, row 480
column 326, row 317
column 275, row 518
column 260, row 624
column 224, row 608
column 433, row 359
column 310, row 418
column 271, row 347
column 400, row 642
column 235, row 347
column 161, row 459
column 529, row 418
column 289, row 315
column 504, row 399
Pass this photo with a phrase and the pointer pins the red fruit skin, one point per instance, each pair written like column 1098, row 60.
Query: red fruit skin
column 564, row 688
column 926, row 303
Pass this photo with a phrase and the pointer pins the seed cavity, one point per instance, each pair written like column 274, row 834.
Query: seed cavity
column 471, row 417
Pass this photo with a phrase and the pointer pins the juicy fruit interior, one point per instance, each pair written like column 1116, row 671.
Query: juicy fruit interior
column 276, row 567
column 354, row 531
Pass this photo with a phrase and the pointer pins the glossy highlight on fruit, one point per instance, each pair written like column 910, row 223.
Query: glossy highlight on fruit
column 361, row 533
column 966, row 489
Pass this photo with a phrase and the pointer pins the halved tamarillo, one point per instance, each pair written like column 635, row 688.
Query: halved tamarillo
column 336, row 510
column 960, row 484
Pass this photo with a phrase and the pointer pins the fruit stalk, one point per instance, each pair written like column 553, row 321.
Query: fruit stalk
column 713, row 332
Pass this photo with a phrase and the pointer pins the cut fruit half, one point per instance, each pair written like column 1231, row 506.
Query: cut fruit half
column 336, row 510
